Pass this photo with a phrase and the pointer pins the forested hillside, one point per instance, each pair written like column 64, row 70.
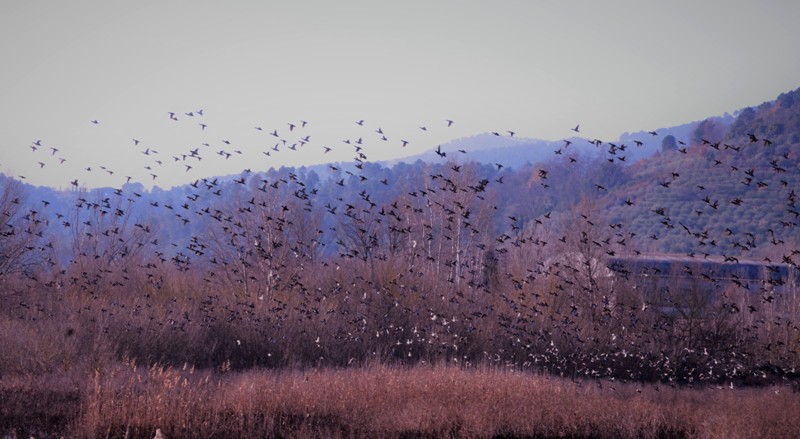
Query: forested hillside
column 731, row 191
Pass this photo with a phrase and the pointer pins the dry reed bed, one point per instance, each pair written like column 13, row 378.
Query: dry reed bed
column 423, row 401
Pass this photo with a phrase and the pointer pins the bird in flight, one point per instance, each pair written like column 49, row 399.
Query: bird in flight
column 577, row 128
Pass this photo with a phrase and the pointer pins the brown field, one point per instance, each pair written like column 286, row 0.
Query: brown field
column 377, row 401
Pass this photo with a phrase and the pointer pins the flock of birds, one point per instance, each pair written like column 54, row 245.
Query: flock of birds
column 262, row 236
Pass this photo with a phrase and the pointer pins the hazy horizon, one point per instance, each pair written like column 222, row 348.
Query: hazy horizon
column 535, row 68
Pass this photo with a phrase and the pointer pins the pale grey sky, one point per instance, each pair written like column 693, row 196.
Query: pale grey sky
column 533, row 67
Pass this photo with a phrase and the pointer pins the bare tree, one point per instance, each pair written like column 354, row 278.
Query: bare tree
column 585, row 246
column 21, row 230
column 106, row 240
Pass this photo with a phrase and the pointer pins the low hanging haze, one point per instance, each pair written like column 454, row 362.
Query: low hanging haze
column 91, row 85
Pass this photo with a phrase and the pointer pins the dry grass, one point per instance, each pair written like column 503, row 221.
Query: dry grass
column 423, row 401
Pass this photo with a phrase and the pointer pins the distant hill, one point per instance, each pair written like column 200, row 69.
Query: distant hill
column 652, row 144
column 490, row 148
column 728, row 188
column 731, row 191
column 514, row 151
